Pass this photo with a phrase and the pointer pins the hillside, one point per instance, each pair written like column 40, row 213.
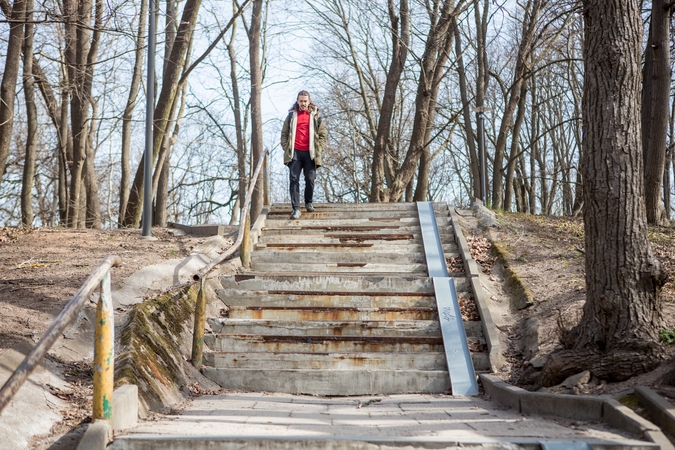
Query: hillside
column 534, row 275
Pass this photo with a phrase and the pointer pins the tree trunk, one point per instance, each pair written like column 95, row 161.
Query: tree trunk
column 31, row 119
column 655, row 99
column 93, row 212
column 238, row 127
column 400, row 38
column 257, row 199
column 77, row 47
column 129, row 109
column 132, row 216
column 435, row 56
column 532, row 12
column 9, row 79
column 474, row 164
column 622, row 314
column 93, row 217
column 515, row 147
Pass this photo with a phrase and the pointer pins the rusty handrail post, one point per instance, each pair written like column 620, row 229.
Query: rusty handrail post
column 242, row 224
column 267, row 189
column 245, row 252
column 104, row 354
column 65, row 318
column 198, row 335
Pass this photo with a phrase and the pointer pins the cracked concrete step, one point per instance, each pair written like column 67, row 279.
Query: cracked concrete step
column 332, row 382
column 237, row 297
column 346, row 268
column 331, row 313
column 342, row 283
column 306, row 256
column 309, row 220
column 339, row 239
column 337, row 361
column 372, row 233
column 314, row 344
column 327, row 327
column 347, row 216
column 341, row 328
column 320, row 361
column 394, row 207
column 300, row 244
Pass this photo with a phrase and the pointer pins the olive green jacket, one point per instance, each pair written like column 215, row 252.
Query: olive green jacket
column 317, row 136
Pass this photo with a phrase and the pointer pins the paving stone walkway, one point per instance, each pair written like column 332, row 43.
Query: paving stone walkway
column 421, row 418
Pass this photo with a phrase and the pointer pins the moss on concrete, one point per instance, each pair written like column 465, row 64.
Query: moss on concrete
column 520, row 296
column 150, row 348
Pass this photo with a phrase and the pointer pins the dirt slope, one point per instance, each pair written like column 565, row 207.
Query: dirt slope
column 41, row 269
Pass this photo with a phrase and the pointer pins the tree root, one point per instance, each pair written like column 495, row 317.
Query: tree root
column 612, row 365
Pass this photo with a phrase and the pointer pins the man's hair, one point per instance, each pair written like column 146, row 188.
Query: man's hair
column 312, row 105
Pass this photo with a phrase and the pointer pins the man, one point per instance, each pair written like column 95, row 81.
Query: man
column 303, row 137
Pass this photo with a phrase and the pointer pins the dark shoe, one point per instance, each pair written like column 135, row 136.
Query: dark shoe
column 309, row 207
column 295, row 214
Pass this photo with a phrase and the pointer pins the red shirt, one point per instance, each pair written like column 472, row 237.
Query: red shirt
column 302, row 131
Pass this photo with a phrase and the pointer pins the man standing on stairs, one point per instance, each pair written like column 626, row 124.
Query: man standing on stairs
column 303, row 137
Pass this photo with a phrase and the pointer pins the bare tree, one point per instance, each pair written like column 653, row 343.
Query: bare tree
column 125, row 162
column 256, row 94
column 10, row 76
column 655, row 89
column 618, row 332
column 31, row 121
column 400, row 40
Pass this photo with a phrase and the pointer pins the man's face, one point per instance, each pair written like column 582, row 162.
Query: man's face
column 303, row 102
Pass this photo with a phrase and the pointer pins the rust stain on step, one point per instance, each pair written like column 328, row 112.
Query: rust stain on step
column 353, row 293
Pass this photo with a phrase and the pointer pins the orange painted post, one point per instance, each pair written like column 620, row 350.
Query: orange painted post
column 198, row 335
column 104, row 354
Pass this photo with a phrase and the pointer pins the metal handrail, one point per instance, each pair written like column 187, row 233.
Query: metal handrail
column 242, row 236
column 243, row 224
column 103, row 349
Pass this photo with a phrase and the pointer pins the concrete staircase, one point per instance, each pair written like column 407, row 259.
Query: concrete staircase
column 338, row 303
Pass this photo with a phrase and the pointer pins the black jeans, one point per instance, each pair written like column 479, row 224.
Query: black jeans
column 301, row 163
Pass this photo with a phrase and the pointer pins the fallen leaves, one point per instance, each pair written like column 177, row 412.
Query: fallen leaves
column 480, row 251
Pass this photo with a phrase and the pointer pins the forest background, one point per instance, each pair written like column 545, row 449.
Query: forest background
column 397, row 83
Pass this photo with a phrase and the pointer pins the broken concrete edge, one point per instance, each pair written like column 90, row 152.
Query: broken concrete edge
column 256, row 230
column 100, row 432
column 125, row 407
column 203, row 230
column 658, row 408
column 97, row 436
column 489, row 329
column 575, row 407
column 472, row 274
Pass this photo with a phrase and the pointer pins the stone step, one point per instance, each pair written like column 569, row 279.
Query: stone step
column 319, row 344
column 306, row 256
column 332, row 382
column 309, row 220
column 341, row 214
column 372, row 232
column 323, row 361
column 325, row 245
column 331, row 313
column 359, row 207
column 336, row 361
column 336, row 328
column 334, row 283
column 238, row 297
column 343, row 268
